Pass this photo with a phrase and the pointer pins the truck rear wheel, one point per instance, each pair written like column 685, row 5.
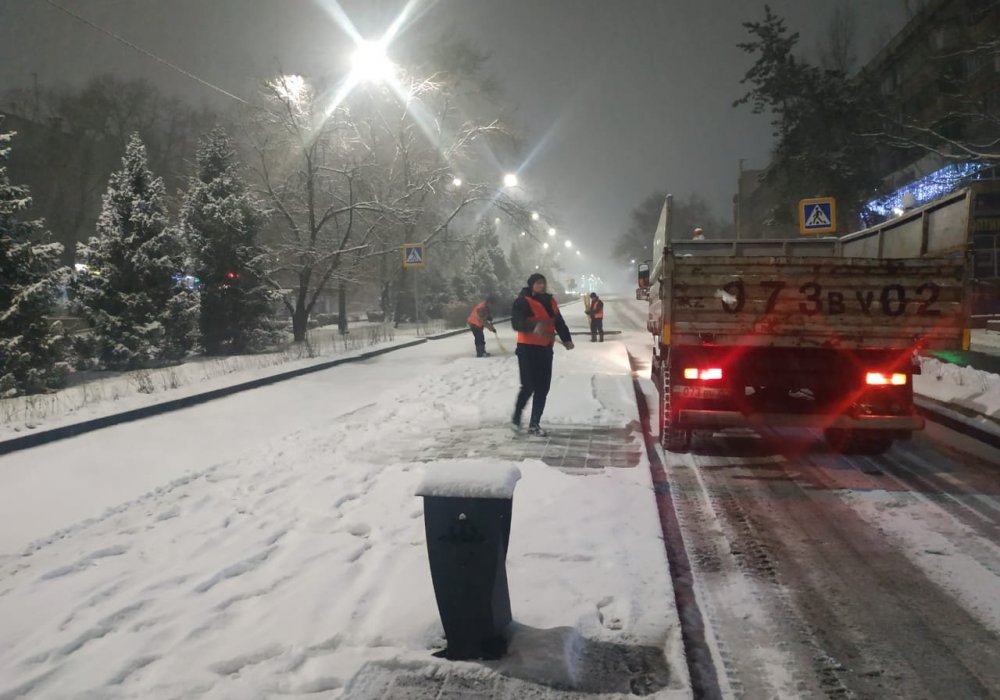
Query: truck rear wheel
column 866, row 442
column 675, row 439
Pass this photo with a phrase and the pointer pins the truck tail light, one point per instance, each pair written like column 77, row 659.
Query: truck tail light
column 883, row 379
column 704, row 374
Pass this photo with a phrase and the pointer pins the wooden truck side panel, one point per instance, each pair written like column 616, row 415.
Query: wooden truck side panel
column 817, row 302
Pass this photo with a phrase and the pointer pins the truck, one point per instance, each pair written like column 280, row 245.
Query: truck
column 816, row 332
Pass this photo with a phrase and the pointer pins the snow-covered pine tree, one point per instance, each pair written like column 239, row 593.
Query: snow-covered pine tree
column 140, row 312
column 32, row 348
column 488, row 271
column 222, row 220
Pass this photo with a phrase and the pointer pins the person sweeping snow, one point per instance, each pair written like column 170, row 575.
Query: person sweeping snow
column 536, row 318
column 481, row 318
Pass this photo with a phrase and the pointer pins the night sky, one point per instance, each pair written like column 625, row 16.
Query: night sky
column 617, row 98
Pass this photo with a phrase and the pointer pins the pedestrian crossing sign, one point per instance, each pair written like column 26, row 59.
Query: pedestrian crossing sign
column 818, row 215
column 413, row 255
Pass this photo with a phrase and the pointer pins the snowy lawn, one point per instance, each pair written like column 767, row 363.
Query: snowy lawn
column 98, row 394
column 285, row 568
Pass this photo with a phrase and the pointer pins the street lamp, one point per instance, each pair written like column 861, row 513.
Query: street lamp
column 552, row 231
column 568, row 244
column 510, row 180
column 371, row 64
column 545, row 246
column 534, row 216
column 524, row 233
column 496, row 220
column 457, row 182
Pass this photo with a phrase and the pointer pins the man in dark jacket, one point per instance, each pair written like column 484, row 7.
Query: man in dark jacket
column 536, row 318
column 596, row 313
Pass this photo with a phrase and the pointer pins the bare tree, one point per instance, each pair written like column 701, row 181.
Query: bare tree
column 311, row 173
column 839, row 48
column 964, row 123
column 73, row 140
column 351, row 178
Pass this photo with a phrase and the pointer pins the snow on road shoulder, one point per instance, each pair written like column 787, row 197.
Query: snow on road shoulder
column 286, row 571
column 964, row 387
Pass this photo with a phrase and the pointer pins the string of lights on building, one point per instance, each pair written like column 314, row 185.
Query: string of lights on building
column 926, row 189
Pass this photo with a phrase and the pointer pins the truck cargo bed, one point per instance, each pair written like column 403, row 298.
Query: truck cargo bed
column 851, row 303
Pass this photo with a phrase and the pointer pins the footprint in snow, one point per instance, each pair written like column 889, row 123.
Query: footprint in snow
column 234, row 665
column 346, row 498
column 237, row 569
column 85, row 562
column 609, row 613
column 359, row 529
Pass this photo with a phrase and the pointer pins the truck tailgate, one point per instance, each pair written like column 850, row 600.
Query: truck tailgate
column 818, row 302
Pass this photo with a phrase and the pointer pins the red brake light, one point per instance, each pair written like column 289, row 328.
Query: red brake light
column 881, row 379
column 707, row 374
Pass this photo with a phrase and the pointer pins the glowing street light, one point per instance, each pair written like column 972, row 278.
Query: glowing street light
column 568, row 244
column 371, row 64
column 534, row 216
column 633, row 261
column 578, row 252
column 545, row 246
column 496, row 220
column 457, row 182
column 524, row 233
column 552, row 231
column 510, row 180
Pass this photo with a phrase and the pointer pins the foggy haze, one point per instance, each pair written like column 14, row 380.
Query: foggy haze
column 615, row 99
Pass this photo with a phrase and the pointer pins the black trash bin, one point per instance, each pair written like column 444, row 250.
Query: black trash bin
column 467, row 538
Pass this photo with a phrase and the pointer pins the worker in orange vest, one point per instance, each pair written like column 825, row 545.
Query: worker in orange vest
column 481, row 318
column 536, row 318
column 596, row 313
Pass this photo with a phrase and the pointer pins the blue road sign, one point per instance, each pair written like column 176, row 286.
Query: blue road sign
column 413, row 255
column 818, row 215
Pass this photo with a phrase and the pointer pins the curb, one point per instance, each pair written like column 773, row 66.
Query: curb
column 956, row 419
column 703, row 675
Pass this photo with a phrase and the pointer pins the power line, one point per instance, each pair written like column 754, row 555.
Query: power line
column 143, row 51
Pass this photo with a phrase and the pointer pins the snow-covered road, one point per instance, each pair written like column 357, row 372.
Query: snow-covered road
column 826, row 575
column 269, row 544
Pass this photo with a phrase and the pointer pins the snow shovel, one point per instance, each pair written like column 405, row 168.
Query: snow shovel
column 496, row 337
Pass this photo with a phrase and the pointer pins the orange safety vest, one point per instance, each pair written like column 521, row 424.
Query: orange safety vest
column 477, row 315
column 597, row 310
column 545, row 324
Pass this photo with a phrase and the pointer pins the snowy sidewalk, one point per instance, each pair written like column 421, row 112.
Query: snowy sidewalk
column 299, row 565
